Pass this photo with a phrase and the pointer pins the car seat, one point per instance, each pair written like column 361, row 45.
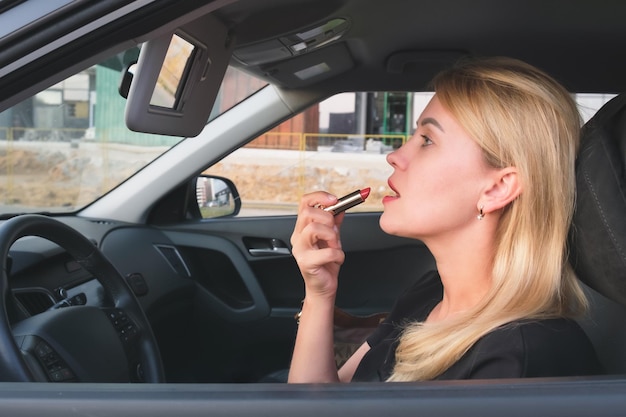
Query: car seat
column 598, row 232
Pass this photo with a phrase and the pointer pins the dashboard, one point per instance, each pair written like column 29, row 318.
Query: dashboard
column 43, row 276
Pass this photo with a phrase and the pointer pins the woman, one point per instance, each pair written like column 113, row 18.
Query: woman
column 487, row 183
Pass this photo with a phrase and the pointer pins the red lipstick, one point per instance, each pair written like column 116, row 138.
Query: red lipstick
column 349, row 201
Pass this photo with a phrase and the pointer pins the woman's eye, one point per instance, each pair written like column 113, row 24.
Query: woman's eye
column 426, row 140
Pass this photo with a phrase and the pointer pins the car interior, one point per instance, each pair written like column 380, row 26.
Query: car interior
column 171, row 264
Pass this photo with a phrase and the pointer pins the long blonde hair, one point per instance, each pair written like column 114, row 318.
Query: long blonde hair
column 520, row 117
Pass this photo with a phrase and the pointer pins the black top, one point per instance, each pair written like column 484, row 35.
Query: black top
column 528, row 348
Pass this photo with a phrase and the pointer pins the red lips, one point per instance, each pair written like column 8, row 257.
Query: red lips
column 389, row 198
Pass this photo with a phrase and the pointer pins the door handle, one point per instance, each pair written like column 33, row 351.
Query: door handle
column 266, row 246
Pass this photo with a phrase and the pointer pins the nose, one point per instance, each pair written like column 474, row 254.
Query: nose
column 391, row 158
column 401, row 157
column 395, row 158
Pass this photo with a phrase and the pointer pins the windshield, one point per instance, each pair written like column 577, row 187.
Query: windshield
column 68, row 145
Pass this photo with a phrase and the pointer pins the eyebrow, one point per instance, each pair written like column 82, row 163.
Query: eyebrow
column 430, row 120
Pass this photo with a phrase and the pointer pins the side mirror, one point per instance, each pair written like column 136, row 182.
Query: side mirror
column 217, row 197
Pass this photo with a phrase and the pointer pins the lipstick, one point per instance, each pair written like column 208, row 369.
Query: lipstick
column 348, row 201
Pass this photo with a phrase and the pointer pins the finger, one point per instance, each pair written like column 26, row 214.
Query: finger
column 316, row 235
column 339, row 219
column 310, row 216
column 317, row 198
column 321, row 258
column 309, row 210
column 312, row 262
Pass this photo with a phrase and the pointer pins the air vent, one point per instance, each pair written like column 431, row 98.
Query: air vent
column 171, row 254
column 104, row 222
column 34, row 302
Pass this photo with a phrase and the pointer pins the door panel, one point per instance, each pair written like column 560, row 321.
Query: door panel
column 225, row 281
column 249, row 287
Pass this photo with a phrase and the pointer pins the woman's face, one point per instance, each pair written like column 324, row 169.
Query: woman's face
column 438, row 178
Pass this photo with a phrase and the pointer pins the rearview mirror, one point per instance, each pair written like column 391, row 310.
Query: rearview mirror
column 127, row 79
column 217, row 197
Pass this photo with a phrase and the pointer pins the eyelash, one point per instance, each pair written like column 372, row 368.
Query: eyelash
column 427, row 141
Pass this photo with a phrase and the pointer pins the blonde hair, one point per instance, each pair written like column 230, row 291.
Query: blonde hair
column 520, row 117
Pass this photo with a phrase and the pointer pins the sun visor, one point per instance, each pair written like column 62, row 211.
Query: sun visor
column 177, row 79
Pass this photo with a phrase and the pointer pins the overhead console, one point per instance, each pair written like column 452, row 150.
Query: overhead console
column 293, row 44
column 293, row 59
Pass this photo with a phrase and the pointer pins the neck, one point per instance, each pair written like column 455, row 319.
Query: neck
column 465, row 267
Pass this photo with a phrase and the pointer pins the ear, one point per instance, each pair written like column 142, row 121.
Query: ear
column 504, row 188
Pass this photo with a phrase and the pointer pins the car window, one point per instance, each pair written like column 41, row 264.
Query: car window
column 590, row 103
column 339, row 145
column 68, row 145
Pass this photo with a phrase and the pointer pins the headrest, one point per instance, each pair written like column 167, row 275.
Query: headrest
column 598, row 232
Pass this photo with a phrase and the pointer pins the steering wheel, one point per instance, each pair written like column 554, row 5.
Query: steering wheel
column 112, row 343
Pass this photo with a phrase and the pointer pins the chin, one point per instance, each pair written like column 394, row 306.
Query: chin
column 394, row 225
column 387, row 224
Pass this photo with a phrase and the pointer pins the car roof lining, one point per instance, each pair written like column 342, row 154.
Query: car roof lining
column 550, row 37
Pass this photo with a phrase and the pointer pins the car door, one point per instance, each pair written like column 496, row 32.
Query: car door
column 249, row 287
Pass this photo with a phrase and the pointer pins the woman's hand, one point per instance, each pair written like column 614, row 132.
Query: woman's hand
column 316, row 245
column 317, row 250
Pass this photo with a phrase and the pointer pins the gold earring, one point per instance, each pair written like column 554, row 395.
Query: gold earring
column 481, row 215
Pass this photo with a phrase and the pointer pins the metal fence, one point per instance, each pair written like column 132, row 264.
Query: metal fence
column 42, row 134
